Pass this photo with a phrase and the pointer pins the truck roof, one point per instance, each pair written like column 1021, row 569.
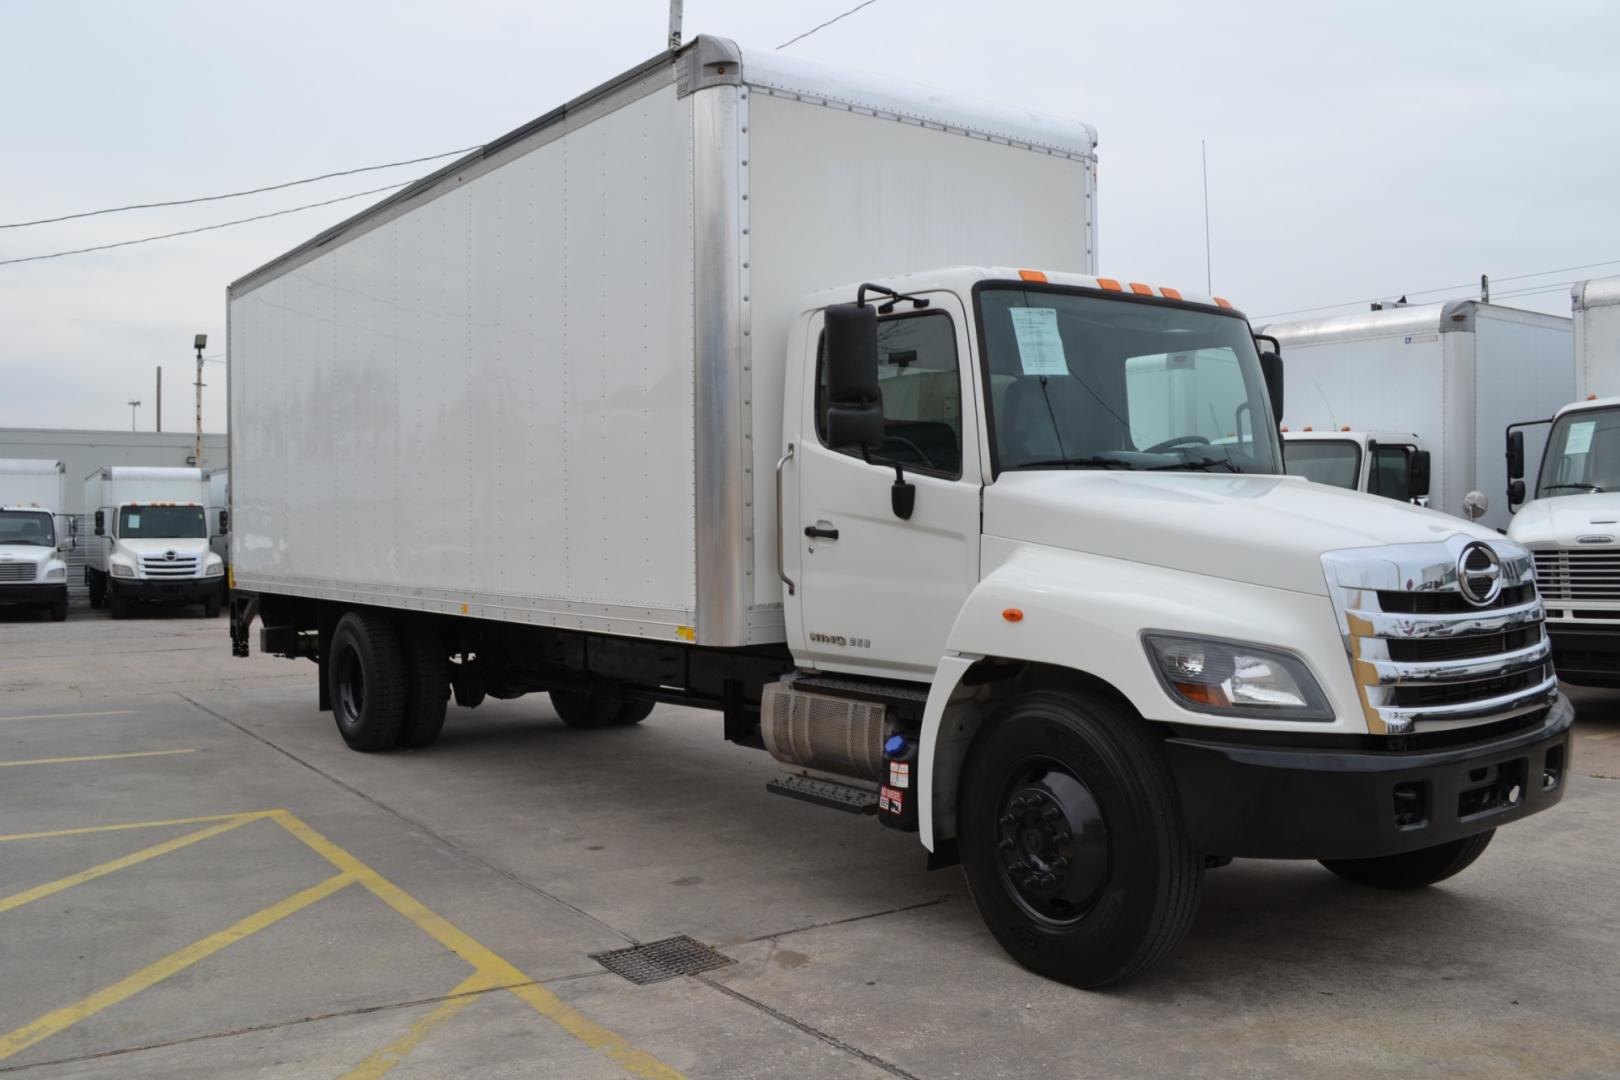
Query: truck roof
column 147, row 472
column 1598, row 292
column 963, row 278
column 713, row 61
column 1589, row 403
column 30, row 467
column 1452, row 316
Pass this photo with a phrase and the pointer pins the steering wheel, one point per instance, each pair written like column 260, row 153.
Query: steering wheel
column 1179, row 440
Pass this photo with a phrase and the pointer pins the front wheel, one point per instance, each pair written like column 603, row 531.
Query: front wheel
column 1072, row 839
column 211, row 607
column 59, row 610
column 1414, row 869
column 117, row 606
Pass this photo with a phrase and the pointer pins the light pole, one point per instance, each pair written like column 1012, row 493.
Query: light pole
column 133, row 405
column 200, row 342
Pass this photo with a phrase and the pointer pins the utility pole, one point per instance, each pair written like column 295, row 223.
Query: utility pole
column 133, row 405
column 160, row 398
column 199, row 343
column 674, row 25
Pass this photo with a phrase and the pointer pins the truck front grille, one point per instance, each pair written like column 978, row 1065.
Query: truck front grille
column 18, row 571
column 162, row 566
column 1427, row 657
column 1573, row 576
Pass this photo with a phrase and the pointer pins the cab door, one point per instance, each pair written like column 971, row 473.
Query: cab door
column 877, row 593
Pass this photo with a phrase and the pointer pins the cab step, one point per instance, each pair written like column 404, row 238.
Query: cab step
column 828, row 793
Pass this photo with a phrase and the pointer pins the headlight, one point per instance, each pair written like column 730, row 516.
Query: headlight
column 56, row 573
column 120, row 570
column 213, row 569
column 1233, row 678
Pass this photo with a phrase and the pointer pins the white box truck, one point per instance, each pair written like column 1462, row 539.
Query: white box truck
column 789, row 393
column 1573, row 525
column 1456, row 373
column 151, row 539
column 36, row 534
column 1393, row 464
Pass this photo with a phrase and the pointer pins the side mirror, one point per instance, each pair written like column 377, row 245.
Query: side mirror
column 224, row 522
column 1417, row 474
column 854, row 400
column 1516, row 493
column 1271, row 367
column 101, row 523
column 1515, row 455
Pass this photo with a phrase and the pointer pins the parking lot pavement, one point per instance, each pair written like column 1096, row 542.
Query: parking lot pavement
column 198, row 879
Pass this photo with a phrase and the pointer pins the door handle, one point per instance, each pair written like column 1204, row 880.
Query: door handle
column 817, row 533
column 781, row 571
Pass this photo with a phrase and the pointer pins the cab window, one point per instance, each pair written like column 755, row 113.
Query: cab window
column 1391, row 472
column 920, row 381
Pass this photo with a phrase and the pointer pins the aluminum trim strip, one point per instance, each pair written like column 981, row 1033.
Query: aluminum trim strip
column 1405, row 673
column 1401, row 626
column 1402, row 718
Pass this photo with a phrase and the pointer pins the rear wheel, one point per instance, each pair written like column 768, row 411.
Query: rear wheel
column 1072, row 839
column 598, row 708
column 367, row 681
column 428, row 690
column 1414, row 869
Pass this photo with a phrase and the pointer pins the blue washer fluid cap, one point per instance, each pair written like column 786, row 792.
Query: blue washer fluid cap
column 895, row 746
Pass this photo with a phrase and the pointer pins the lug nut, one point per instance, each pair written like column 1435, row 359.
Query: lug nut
column 1050, row 814
column 1009, row 819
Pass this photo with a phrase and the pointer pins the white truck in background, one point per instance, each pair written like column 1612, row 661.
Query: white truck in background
column 35, row 535
column 1455, row 373
column 1393, row 464
column 219, row 525
column 1573, row 525
column 745, row 384
column 151, row 539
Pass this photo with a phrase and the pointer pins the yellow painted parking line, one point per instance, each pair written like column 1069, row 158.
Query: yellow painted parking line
column 59, row 1019
column 252, row 815
column 1600, row 738
column 39, row 892
column 95, row 757
column 610, row 1043
column 392, row 1054
column 69, row 715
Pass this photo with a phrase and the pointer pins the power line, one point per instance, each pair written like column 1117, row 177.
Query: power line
column 233, row 194
column 205, row 228
column 1445, row 288
column 829, row 22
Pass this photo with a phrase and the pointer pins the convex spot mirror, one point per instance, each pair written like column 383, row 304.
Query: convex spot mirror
column 1475, row 505
column 854, row 401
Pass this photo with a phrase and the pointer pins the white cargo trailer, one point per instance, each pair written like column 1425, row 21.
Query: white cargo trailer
column 1573, row 525
column 36, row 534
column 719, row 386
column 1455, row 373
column 151, row 539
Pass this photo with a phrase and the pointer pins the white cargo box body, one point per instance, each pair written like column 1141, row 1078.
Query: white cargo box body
column 115, row 485
column 1596, row 306
column 544, row 384
column 31, row 482
column 1457, row 374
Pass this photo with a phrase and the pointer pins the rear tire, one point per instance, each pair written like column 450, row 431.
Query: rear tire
column 367, row 681
column 598, row 708
column 428, row 681
column 1414, row 869
column 1072, row 839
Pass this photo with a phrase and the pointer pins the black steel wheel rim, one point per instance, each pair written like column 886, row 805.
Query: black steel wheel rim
column 352, row 687
column 1051, row 842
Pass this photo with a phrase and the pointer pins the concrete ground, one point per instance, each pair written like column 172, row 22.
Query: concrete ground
column 197, row 879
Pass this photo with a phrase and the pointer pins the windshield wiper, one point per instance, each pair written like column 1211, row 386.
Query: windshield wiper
column 1069, row 463
column 1197, row 463
column 1574, row 486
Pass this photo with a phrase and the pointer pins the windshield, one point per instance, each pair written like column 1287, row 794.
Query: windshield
column 161, row 523
column 27, row 527
column 1583, row 454
column 1084, row 381
column 1335, row 463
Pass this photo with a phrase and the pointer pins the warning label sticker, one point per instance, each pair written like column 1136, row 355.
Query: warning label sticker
column 900, row 774
column 891, row 800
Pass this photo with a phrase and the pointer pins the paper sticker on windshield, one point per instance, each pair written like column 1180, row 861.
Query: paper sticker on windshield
column 134, row 521
column 1040, row 349
column 1580, row 437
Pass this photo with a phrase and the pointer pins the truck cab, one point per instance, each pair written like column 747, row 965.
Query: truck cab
column 1571, row 525
column 1392, row 464
column 152, row 540
column 35, row 536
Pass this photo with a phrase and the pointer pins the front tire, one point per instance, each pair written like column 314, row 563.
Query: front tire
column 366, row 680
column 117, row 606
column 211, row 607
column 1414, row 869
column 59, row 610
column 1072, row 839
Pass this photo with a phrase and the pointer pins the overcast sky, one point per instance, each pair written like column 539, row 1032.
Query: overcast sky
column 1355, row 151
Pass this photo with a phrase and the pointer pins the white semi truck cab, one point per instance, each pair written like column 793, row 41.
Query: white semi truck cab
column 1393, row 464
column 996, row 553
column 151, row 542
column 35, row 535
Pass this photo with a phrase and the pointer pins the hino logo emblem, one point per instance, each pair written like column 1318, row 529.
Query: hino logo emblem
column 1479, row 574
column 169, row 555
column 1594, row 538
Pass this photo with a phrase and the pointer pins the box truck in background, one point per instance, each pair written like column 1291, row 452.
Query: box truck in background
column 795, row 394
column 35, row 535
column 1393, row 464
column 1573, row 525
column 151, row 539
column 1456, row 373
column 219, row 525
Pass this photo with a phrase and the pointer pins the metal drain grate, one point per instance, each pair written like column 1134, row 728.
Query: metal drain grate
column 659, row 960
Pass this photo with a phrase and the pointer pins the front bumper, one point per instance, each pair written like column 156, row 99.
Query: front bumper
column 1587, row 652
column 184, row 591
column 1301, row 802
column 40, row 593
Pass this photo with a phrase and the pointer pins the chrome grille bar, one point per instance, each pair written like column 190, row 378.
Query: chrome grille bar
column 1410, row 673
column 1398, row 625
